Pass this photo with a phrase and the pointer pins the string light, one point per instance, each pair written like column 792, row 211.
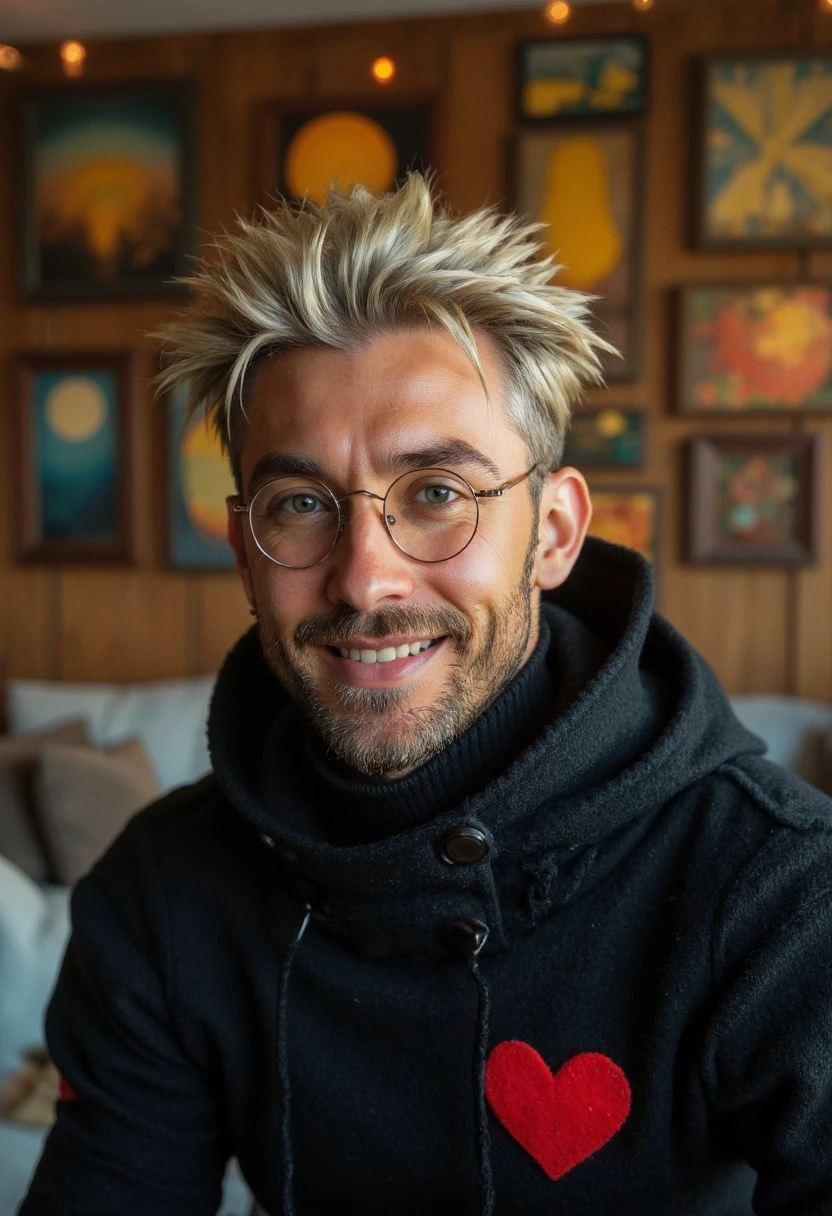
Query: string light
column 10, row 58
column 383, row 69
column 73, row 54
column 641, row 6
column 558, row 12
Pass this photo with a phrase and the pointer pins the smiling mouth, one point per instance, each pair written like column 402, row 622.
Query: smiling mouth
column 385, row 654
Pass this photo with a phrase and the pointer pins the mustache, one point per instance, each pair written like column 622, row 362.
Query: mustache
column 338, row 627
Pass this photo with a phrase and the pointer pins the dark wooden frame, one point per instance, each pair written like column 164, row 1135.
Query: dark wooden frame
column 32, row 286
column 683, row 362
column 700, row 239
column 30, row 545
column 703, row 543
column 626, row 487
column 270, row 113
column 629, row 367
column 571, row 115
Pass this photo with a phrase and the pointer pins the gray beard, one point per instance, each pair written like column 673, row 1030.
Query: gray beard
column 369, row 728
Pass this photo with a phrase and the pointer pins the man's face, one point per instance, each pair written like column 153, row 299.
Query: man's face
column 409, row 399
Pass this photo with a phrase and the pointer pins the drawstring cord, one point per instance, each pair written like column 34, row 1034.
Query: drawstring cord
column 480, row 1054
column 283, row 1069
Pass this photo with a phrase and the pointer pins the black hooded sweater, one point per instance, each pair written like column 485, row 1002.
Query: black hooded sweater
column 598, row 980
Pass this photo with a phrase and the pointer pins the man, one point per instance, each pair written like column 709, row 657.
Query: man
column 490, row 906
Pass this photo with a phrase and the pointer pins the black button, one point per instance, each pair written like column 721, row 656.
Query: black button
column 463, row 846
column 268, row 841
column 465, row 936
column 286, row 853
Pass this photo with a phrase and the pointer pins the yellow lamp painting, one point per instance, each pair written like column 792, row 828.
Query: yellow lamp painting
column 199, row 483
column 108, row 191
column 316, row 149
column 583, row 184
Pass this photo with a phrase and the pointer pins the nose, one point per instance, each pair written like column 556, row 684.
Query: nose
column 366, row 569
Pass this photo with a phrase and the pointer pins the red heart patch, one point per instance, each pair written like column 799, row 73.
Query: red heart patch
column 561, row 1118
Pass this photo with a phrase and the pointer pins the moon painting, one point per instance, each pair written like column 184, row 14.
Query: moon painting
column 76, row 446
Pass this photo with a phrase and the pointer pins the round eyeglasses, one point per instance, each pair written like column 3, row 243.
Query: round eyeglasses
column 430, row 514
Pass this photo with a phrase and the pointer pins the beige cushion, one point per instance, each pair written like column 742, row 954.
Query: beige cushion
column 85, row 796
column 20, row 840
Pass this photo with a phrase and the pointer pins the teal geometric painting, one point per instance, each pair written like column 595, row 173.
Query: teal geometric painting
column 766, row 171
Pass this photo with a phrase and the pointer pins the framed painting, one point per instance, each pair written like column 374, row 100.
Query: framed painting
column 567, row 77
column 199, row 481
column 584, row 183
column 75, row 457
column 765, row 148
column 627, row 516
column 607, row 437
column 753, row 499
column 306, row 147
column 760, row 347
column 107, row 191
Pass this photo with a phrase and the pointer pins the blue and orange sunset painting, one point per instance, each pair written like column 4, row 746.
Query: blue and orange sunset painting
column 200, row 482
column 76, row 455
column 108, row 189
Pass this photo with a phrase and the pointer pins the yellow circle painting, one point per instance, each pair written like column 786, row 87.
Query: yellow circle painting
column 340, row 149
column 206, row 480
column 76, row 409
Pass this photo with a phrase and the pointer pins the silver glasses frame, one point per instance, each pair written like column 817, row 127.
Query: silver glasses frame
column 244, row 508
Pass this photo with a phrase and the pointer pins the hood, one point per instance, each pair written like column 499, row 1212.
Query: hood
column 650, row 723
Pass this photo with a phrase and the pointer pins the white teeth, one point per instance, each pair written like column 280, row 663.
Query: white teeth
column 387, row 653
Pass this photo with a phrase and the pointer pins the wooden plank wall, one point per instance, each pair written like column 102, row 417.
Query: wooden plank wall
column 769, row 630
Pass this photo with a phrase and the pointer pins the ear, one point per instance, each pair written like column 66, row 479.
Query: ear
column 565, row 513
column 236, row 533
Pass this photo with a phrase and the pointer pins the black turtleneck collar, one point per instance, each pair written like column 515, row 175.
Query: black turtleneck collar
column 353, row 809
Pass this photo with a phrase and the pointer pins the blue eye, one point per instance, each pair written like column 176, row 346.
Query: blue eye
column 437, row 495
column 301, row 504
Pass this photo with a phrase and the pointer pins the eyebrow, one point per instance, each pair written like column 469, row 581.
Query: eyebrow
column 443, row 454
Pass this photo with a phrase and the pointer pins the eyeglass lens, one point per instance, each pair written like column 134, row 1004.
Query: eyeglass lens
column 431, row 515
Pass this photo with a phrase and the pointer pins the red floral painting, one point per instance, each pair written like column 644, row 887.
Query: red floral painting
column 761, row 348
column 757, row 498
column 753, row 498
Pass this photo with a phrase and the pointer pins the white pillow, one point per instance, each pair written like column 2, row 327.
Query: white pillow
column 169, row 717
column 34, row 927
column 793, row 728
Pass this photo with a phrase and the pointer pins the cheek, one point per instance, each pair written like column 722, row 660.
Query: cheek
column 481, row 577
column 286, row 596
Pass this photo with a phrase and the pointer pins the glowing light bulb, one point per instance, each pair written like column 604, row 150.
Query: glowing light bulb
column 73, row 55
column 642, row 6
column 558, row 12
column 383, row 69
column 825, row 6
column 10, row 58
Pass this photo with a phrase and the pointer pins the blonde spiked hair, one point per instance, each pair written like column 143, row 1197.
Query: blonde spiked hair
column 339, row 274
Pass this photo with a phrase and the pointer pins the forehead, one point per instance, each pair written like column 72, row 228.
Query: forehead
column 353, row 410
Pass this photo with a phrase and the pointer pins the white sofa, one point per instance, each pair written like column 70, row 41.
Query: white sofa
column 169, row 717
